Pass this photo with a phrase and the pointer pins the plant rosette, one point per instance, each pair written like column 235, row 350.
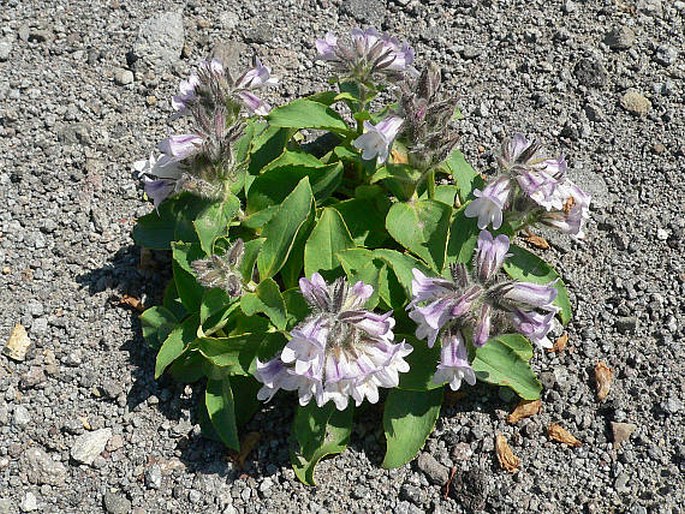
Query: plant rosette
column 371, row 264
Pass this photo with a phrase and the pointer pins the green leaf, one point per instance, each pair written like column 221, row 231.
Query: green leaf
column 282, row 229
column 422, row 363
column 463, row 238
column 464, row 176
column 247, row 265
column 176, row 343
column 266, row 299
column 303, row 113
column 235, row 353
column 402, row 264
column 527, row 267
column 215, row 309
column 159, row 228
column 283, row 174
column 422, row 227
column 400, row 179
column 172, row 301
column 213, row 221
column 156, row 323
column 329, row 236
column 245, row 394
column 190, row 367
column 365, row 219
column 503, row 360
column 267, row 146
column 408, row 420
column 221, row 410
column 187, row 286
column 319, row 432
column 296, row 306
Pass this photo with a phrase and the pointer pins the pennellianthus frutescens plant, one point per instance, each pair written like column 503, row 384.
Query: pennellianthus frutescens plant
column 340, row 269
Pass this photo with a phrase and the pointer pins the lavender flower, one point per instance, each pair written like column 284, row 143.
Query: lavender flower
column 454, row 363
column 367, row 53
column 535, row 187
column 377, row 140
column 222, row 271
column 478, row 303
column 490, row 203
column 340, row 351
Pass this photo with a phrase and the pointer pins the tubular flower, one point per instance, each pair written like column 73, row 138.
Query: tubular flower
column 375, row 143
column 538, row 190
column 478, row 303
column 366, row 53
column 340, row 351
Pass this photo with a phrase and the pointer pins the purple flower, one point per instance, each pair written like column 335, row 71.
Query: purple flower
column 436, row 302
column 256, row 77
column 490, row 254
column 365, row 53
column 489, row 203
column 481, row 334
column 575, row 210
column 526, row 295
column 454, row 364
column 340, row 352
column 377, row 140
column 180, row 147
column 534, row 325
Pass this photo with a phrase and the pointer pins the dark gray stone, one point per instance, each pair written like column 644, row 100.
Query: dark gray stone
column 436, row 472
column 591, row 73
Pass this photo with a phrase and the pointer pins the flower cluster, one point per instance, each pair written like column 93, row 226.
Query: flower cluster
column 366, row 54
column 478, row 304
column 535, row 188
column 339, row 351
column 203, row 161
column 222, row 270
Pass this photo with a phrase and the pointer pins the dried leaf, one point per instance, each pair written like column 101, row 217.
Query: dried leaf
column 453, row 397
column 524, row 409
column 568, row 205
column 248, row 444
column 507, row 460
column 560, row 344
column 133, row 302
column 18, row 344
column 603, row 376
column 399, row 157
column 537, row 241
column 561, row 435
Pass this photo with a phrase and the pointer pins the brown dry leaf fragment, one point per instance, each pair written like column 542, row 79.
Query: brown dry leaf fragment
column 399, row 157
column 248, row 444
column 147, row 260
column 603, row 376
column 454, row 397
column 568, row 205
column 507, row 460
column 561, row 435
column 560, row 344
column 133, row 302
column 18, row 344
column 524, row 409
column 537, row 241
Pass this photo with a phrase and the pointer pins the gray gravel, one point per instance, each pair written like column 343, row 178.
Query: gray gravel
column 84, row 92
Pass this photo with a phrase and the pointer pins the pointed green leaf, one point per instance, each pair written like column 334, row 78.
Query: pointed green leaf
column 504, row 361
column 402, row 264
column 329, row 236
column 282, row 229
column 221, row 410
column 266, row 299
column 463, row 238
column 319, row 431
column 176, row 343
column 527, row 267
column 304, row 113
column 213, row 221
column 365, row 219
column 464, row 176
column 187, row 286
column 156, row 323
column 422, row 227
column 408, row 419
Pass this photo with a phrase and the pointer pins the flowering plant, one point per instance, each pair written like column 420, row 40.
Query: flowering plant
column 338, row 267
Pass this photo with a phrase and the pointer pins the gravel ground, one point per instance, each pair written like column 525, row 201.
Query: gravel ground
column 84, row 91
